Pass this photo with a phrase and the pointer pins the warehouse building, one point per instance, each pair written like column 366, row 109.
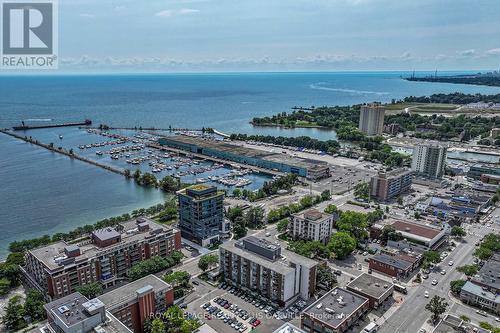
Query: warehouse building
column 309, row 168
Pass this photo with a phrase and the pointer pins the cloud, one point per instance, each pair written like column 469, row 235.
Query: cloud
column 187, row 11
column 494, row 52
column 164, row 13
column 467, row 53
column 172, row 12
column 406, row 55
column 87, row 16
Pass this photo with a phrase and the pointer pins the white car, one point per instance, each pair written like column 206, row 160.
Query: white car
column 434, row 282
column 451, row 263
column 443, row 272
column 426, row 294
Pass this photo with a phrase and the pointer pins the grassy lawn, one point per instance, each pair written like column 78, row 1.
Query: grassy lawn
column 302, row 123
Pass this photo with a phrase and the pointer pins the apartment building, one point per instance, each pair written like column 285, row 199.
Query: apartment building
column 201, row 213
column 336, row 312
column 429, row 160
column 139, row 300
column 371, row 119
column 312, row 225
column 388, row 185
column 59, row 268
column 258, row 265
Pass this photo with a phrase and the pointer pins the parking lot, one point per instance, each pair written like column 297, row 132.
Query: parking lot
column 237, row 310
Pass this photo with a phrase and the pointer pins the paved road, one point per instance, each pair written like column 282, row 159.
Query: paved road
column 412, row 315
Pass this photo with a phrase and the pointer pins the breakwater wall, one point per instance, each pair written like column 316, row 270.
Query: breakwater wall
column 63, row 151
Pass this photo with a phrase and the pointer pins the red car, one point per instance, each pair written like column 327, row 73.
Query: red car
column 256, row 323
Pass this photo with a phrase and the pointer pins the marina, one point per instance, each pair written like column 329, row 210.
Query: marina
column 121, row 150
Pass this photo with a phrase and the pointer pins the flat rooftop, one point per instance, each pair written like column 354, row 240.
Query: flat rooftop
column 392, row 261
column 128, row 292
column 53, row 256
column 281, row 265
column 224, row 146
column 489, row 274
column 420, row 230
column 312, row 215
column 336, row 306
column 370, row 285
column 70, row 309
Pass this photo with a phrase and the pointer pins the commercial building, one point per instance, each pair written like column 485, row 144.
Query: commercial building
column 375, row 289
column 395, row 266
column 489, row 275
column 371, row 119
column 139, row 300
column 261, row 266
column 477, row 170
column 59, row 268
column 419, row 233
column 312, row 225
column 388, row 185
column 309, row 168
column 429, row 160
column 74, row 313
column 201, row 213
column 336, row 312
column 474, row 294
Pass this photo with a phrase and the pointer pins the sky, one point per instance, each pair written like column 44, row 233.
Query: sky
column 278, row 35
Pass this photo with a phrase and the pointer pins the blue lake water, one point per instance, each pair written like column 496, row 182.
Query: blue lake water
column 44, row 193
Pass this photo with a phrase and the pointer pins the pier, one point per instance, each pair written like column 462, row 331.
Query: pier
column 24, row 127
column 65, row 152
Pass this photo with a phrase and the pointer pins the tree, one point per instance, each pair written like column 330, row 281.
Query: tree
column 282, row 224
column 178, row 279
column 14, row 312
column 390, row 233
column 233, row 213
column 239, row 227
column 11, row 272
column 325, row 195
column 90, row 290
column 33, row 305
column 342, row 244
column 4, row 286
column 468, row 270
column 456, row 286
column 354, row 223
column 458, row 231
column 465, row 318
column 254, row 217
column 170, row 184
column 489, row 245
column 431, row 257
column 362, row 191
column 437, row 306
column 208, row 261
column 325, row 276
column 157, row 326
column 332, row 209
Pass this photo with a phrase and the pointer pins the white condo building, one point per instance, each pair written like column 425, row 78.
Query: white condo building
column 371, row 119
column 429, row 160
column 311, row 225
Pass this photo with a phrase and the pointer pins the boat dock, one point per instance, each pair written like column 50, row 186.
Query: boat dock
column 216, row 160
column 25, row 127
column 63, row 151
